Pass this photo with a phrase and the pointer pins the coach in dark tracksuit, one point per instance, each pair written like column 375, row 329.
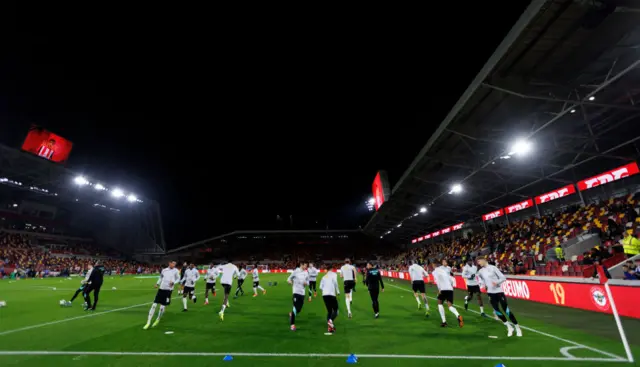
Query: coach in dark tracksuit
column 94, row 279
column 374, row 284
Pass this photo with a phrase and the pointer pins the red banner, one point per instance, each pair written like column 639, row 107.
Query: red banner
column 519, row 206
column 585, row 296
column 556, row 194
column 609, row 176
column 498, row 213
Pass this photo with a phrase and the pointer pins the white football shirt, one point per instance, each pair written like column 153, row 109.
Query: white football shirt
column 228, row 272
column 347, row 272
column 242, row 274
column 168, row 278
column 212, row 275
column 256, row 275
column 417, row 273
column 329, row 284
column 490, row 274
column 300, row 279
column 313, row 274
column 443, row 278
column 470, row 273
column 191, row 276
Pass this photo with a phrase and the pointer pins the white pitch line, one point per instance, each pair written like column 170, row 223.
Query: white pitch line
column 305, row 355
column 565, row 351
column 545, row 334
column 74, row 318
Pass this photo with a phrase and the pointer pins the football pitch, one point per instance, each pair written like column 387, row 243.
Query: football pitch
column 36, row 331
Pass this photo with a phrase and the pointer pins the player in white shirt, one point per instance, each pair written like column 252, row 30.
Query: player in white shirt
column 348, row 274
column 169, row 277
column 191, row 276
column 417, row 274
column 229, row 271
column 492, row 279
column 210, row 279
column 329, row 288
column 313, row 276
column 299, row 279
column 255, row 274
column 444, row 281
column 242, row 275
column 470, row 274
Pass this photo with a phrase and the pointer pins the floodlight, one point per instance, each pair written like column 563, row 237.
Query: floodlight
column 520, row 147
column 99, row 187
column 131, row 198
column 399, row 225
column 456, row 189
column 423, row 209
column 372, row 201
column 592, row 98
column 117, row 193
column 80, row 181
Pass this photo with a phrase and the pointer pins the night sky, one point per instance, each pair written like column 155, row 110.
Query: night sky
column 231, row 119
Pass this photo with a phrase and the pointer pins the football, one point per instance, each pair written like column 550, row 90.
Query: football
column 3, row 304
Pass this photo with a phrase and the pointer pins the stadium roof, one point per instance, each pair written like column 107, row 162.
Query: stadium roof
column 565, row 80
column 46, row 182
column 271, row 233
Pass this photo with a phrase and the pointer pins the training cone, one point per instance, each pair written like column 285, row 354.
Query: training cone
column 500, row 365
column 227, row 358
column 352, row 359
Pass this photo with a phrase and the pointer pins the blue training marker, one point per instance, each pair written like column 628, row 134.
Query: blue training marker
column 227, row 358
column 500, row 365
column 352, row 359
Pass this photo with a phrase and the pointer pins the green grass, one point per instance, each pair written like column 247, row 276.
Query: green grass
column 33, row 321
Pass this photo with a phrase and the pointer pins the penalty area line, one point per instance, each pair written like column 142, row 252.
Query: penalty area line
column 613, row 356
column 299, row 355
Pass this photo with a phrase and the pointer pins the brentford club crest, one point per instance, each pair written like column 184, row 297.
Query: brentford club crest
column 599, row 298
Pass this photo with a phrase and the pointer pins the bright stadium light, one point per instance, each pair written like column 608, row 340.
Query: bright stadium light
column 456, row 189
column 372, row 201
column 117, row 193
column 80, row 181
column 132, row 198
column 592, row 98
column 520, row 147
column 99, row 187
column 399, row 225
column 423, row 209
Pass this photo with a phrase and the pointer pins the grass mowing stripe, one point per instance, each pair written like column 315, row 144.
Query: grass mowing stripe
column 542, row 333
column 303, row 355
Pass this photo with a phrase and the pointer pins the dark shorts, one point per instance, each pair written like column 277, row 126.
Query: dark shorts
column 497, row 298
column 349, row 285
column 163, row 297
column 227, row 288
column 188, row 290
column 256, row 284
column 473, row 288
column 211, row 286
column 298, row 302
column 418, row 286
column 445, row 296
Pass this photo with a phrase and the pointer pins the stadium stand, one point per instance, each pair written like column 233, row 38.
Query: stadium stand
column 536, row 164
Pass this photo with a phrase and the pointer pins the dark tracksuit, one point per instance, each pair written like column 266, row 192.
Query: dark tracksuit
column 374, row 283
column 95, row 283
